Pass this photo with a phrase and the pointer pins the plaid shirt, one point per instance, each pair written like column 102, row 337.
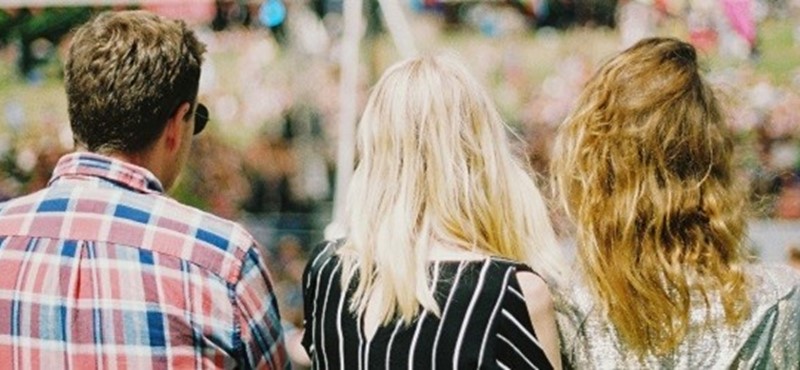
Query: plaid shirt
column 101, row 270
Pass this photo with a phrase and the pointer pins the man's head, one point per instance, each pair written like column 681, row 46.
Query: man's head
column 129, row 74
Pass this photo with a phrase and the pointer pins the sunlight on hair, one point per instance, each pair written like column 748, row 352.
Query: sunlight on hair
column 435, row 165
column 643, row 167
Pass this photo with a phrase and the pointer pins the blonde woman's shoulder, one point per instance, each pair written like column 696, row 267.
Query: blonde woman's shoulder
column 542, row 314
column 322, row 252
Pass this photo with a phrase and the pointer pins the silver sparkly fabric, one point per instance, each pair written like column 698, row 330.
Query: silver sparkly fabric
column 768, row 339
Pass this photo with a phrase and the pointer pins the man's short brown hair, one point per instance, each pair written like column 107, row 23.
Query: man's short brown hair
column 126, row 74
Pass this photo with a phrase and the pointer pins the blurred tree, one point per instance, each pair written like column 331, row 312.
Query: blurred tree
column 26, row 25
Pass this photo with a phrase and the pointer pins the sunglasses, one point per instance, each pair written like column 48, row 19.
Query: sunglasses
column 200, row 118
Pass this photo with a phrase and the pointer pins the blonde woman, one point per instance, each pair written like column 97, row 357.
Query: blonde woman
column 643, row 167
column 445, row 230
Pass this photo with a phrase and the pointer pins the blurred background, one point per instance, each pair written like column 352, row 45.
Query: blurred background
column 286, row 79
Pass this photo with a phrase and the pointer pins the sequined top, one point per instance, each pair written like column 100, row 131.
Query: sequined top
column 768, row 339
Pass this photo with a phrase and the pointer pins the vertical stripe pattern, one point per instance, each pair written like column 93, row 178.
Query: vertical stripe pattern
column 484, row 323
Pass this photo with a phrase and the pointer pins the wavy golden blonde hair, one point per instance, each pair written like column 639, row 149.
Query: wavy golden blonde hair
column 643, row 167
column 435, row 165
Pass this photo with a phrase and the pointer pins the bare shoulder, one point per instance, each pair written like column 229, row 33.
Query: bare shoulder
column 536, row 293
column 542, row 314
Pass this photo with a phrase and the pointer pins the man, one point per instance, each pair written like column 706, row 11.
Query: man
column 101, row 269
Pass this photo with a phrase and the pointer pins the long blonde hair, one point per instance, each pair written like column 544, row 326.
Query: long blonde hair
column 643, row 167
column 435, row 165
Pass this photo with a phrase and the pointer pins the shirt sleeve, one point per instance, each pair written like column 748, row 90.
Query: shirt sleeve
column 261, row 344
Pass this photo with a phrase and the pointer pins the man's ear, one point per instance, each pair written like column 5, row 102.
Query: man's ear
column 173, row 132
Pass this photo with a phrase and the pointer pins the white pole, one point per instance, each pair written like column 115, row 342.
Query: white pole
column 348, row 96
column 398, row 27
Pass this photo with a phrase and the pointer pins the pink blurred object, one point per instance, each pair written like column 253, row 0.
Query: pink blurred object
column 193, row 12
column 740, row 16
column 704, row 39
column 788, row 206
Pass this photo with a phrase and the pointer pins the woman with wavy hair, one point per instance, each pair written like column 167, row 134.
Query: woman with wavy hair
column 644, row 168
column 445, row 229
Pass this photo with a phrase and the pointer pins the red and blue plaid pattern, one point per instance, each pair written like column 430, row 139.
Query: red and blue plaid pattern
column 101, row 270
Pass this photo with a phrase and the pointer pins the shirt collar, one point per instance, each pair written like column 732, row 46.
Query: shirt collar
column 114, row 170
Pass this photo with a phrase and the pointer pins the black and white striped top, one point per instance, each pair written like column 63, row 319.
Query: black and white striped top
column 484, row 324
